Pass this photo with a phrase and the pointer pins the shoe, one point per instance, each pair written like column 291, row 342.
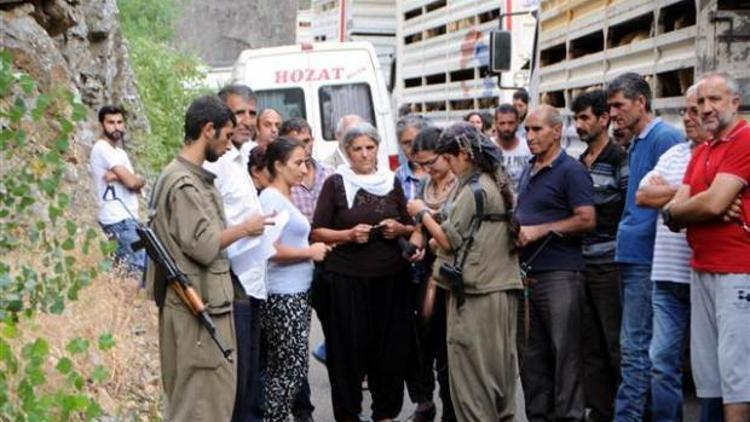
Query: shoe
column 424, row 415
column 319, row 353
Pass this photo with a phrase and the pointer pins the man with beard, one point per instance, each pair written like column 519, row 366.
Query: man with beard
column 516, row 154
column 269, row 123
column 671, row 269
column 111, row 166
column 629, row 100
column 714, row 203
column 240, row 201
column 188, row 217
column 608, row 166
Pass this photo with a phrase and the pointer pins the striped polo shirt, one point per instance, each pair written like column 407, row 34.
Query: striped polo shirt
column 671, row 251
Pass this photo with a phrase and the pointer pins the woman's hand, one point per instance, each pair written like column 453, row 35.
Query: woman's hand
column 391, row 228
column 414, row 206
column 360, row 233
column 318, row 251
column 418, row 255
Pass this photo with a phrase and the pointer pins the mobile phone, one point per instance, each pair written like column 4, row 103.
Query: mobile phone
column 377, row 232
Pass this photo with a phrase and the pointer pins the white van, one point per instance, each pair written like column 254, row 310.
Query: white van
column 321, row 82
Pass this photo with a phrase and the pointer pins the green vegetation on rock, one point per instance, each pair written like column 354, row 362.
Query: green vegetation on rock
column 167, row 77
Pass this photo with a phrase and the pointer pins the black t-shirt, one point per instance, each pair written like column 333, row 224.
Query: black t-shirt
column 376, row 258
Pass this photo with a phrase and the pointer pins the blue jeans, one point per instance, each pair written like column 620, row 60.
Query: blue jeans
column 125, row 235
column 671, row 303
column 635, row 339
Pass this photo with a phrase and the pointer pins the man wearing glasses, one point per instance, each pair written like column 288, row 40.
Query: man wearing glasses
column 670, row 271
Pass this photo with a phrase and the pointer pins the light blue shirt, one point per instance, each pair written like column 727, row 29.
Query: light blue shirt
column 637, row 229
column 288, row 278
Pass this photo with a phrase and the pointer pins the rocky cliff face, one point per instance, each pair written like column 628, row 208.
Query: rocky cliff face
column 73, row 44
column 217, row 31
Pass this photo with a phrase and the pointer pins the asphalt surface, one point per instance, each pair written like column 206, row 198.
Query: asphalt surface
column 321, row 392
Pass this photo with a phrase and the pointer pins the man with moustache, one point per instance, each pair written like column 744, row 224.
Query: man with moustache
column 714, row 203
column 516, row 154
column 240, row 200
column 110, row 166
column 269, row 123
column 188, row 217
column 670, row 272
column 629, row 100
column 608, row 166
column 555, row 195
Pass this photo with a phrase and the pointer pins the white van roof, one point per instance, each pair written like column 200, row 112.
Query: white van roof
column 307, row 47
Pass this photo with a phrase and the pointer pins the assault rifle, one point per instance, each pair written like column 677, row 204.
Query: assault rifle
column 174, row 276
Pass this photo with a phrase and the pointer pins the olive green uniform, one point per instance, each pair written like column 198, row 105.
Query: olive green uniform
column 198, row 381
column 481, row 335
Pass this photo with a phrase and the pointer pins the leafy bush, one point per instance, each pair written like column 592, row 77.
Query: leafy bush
column 167, row 77
column 39, row 242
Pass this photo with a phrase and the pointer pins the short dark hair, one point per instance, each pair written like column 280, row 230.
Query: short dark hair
column 203, row 110
column 295, row 124
column 280, row 150
column 521, row 94
column 427, row 139
column 631, row 85
column 110, row 109
column 486, row 124
column 595, row 99
column 239, row 90
column 256, row 160
column 506, row 108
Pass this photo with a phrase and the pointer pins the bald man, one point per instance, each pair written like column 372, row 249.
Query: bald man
column 555, row 195
column 269, row 123
column 339, row 156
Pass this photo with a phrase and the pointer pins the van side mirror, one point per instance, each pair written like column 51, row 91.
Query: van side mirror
column 500, row 51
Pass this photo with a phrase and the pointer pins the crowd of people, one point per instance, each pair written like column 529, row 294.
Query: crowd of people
column 489, row 256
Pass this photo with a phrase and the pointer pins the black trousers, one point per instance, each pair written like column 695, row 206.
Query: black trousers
column 552, row 365
column 429, row 356
column 247, row 327
column 601, row 339
column 366, row 322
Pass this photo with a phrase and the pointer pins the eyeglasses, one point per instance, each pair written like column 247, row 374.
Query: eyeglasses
column 690, row 111
column 428, row 163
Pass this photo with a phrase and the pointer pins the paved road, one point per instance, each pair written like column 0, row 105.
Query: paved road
column 321, row 391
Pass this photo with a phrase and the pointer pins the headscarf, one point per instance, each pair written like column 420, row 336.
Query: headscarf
column 379, row 183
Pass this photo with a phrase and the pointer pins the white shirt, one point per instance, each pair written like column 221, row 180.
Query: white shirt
column 105, row 157
column 515, row 160
column 671, row 250
column 241, row 202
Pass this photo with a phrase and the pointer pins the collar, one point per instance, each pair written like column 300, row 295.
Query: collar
column 741, row 124
column 560, row 157
column 646, row 130
column 199, row 171
column 608, row 149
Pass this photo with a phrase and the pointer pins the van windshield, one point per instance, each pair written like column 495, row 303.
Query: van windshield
column 337, row 101
column 290, row 102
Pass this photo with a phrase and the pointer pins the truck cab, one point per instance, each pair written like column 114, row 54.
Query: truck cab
column 321, row 82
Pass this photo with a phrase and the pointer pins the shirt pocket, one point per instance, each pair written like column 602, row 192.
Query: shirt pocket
column 218, row 294
column 473, row 270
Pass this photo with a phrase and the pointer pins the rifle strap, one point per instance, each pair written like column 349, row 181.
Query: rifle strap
column 476, row 221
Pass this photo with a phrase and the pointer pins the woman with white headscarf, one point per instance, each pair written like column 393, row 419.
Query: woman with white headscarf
column 361, row 293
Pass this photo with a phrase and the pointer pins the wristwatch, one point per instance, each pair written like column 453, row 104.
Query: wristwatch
column 420, row 215
column 666, row 217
